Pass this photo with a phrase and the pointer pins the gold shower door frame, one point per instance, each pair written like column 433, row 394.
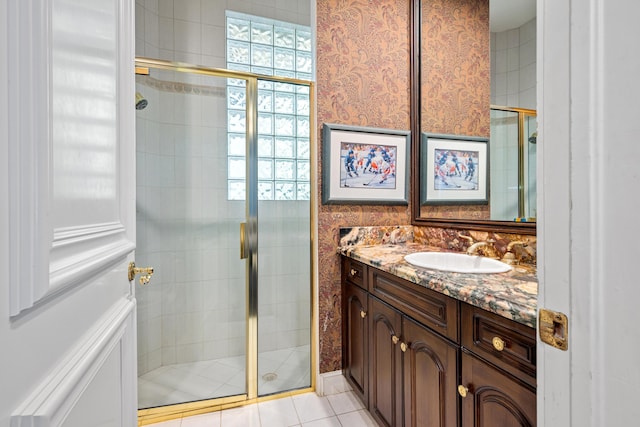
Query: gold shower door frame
column 522, row 113
column 164, row 413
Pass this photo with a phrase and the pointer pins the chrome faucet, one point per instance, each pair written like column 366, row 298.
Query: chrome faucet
column 486, row 248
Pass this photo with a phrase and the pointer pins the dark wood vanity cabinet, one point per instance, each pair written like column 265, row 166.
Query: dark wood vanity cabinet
column 430, row 377
column 410, row 353
column 385, row 363
column 498, row 370
column 493, row 398
column 355, row 335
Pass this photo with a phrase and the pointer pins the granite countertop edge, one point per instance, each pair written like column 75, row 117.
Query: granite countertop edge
column 512, row 295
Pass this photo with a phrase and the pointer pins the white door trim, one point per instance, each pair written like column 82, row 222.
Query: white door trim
column 29, row 74
column 554, row 203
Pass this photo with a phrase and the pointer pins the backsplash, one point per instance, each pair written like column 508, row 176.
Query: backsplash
column 453, row 240
column 382, row 235
column 523, row 247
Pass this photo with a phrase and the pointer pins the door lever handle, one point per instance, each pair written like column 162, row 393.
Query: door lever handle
column 145, row 272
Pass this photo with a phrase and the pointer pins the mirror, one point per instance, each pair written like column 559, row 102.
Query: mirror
column 465, row 69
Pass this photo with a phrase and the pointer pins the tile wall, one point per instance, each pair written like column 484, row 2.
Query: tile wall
column 193, row 31
column 513, row 67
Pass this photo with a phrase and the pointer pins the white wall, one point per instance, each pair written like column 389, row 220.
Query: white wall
column 513, row 67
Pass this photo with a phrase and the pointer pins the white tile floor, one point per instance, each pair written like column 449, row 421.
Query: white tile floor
column 207, row 379
column 303, row 410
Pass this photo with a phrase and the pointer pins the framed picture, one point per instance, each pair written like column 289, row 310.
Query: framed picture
column 362, row 165
column 455, row 169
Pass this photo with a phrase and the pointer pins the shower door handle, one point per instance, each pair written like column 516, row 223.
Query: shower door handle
column 243, row 240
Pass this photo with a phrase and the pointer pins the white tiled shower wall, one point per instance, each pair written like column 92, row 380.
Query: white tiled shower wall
column 194, row 308
column 513, row 67
column 193, row 31
column 513, row 84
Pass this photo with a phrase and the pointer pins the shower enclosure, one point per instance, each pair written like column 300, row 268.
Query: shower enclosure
column 513, row 163
column 224, row 188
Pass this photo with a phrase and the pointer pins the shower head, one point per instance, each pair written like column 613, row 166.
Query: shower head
column 141, row 102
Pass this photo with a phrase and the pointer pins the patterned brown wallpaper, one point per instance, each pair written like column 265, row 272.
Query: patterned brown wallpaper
column 456, row 75
column 363, row 51
column 362, row 79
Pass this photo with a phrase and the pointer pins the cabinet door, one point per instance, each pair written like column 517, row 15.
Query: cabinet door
column 385, row 387
column 430, row 378
column 355, row 335
column 493, row 398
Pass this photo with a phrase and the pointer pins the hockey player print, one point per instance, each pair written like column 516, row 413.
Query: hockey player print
column 455, row 170
column 367, row 165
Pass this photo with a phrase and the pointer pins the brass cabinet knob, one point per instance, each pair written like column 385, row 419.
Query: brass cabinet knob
column 404, row 347
column 395, row 339
column 363, row 314
column 498, row 343
column 462, row 391
column 353, row 272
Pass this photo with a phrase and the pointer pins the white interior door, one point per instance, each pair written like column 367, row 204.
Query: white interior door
column 67, row 213
column 588, row 230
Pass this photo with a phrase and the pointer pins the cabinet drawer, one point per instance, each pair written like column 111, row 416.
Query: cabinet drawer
column 428, row 307
column 354, row 272
column 507, row 344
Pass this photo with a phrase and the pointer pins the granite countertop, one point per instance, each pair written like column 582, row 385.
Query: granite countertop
column 512, row 294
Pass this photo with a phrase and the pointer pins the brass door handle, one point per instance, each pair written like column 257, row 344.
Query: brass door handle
column 363, row 314
column 145, row 273
column 404, row 347
column 353, row 272
column 498, row 343
column 395, row 339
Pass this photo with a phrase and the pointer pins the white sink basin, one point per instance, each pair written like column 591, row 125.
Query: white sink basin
column 459, row 263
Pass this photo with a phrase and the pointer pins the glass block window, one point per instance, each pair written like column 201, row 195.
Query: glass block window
column 273, row 48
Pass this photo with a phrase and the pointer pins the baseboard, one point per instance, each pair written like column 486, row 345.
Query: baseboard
column 331, row 383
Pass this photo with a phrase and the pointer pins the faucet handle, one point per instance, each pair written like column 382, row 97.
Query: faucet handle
column 522, row 243
column 468, row 238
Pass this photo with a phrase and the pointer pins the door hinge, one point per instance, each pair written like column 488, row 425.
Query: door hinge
column 554, row 328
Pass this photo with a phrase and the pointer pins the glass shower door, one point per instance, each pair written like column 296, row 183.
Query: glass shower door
column 192, row 334
column 219, row 325
column 284, row 240
column 504, row 157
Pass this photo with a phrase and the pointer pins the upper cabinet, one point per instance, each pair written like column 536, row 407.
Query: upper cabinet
column 473, row 93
